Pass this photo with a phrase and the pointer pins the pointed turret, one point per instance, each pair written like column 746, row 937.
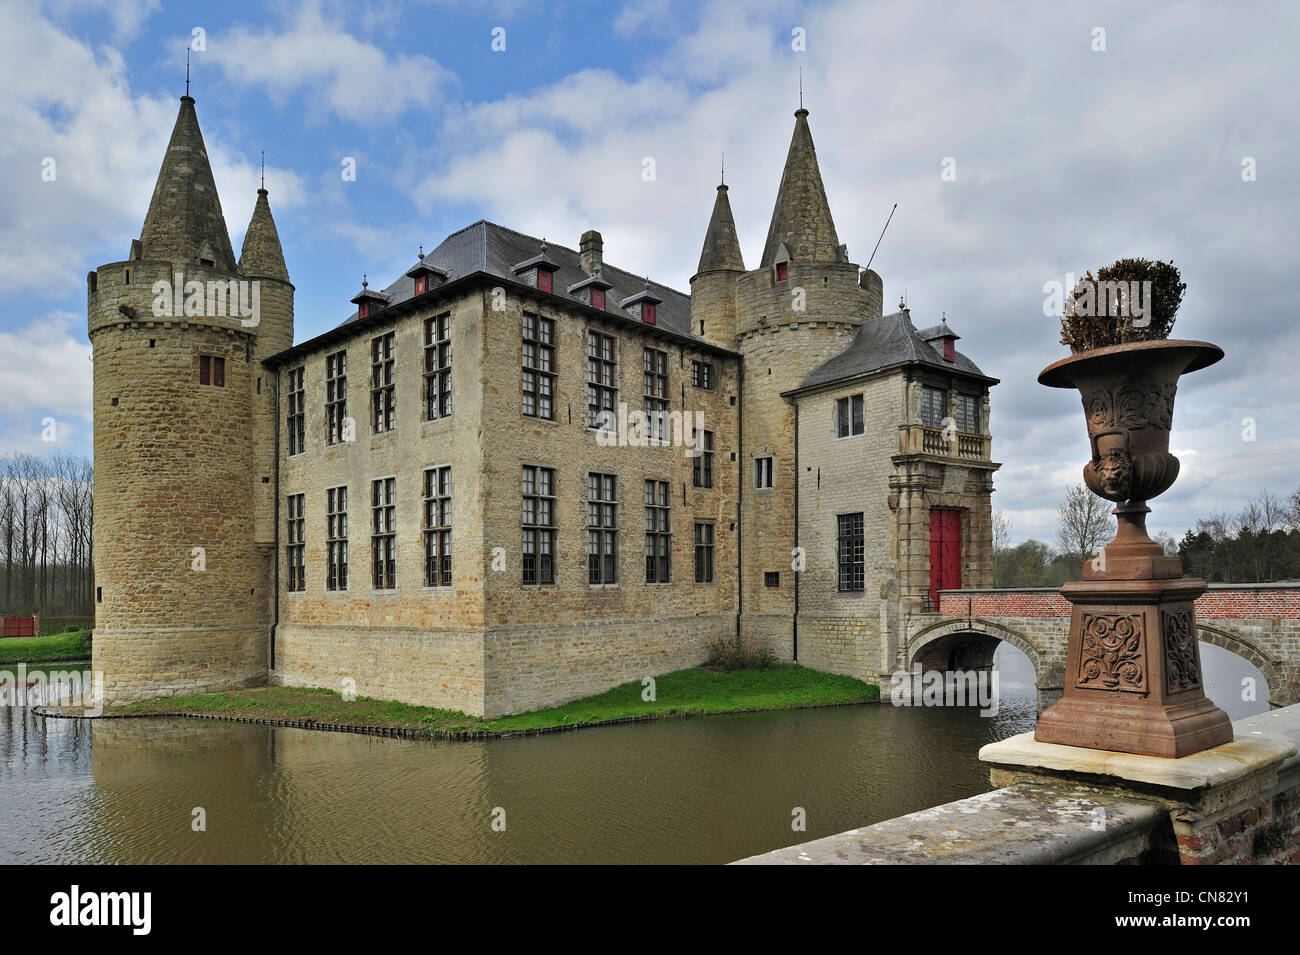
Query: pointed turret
column 721, row 245
column 184, row 224
column 801, row 218
column 261, row 255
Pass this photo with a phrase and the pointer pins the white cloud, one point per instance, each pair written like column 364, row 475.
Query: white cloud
column 45, row 372
column 355, row 79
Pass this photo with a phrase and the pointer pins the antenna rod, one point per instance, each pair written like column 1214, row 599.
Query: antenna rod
column 882, row 235
column 263, row 168
column 724, row 170
column 801, row 87
column 187, row 69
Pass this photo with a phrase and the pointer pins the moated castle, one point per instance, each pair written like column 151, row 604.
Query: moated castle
column 425, row 501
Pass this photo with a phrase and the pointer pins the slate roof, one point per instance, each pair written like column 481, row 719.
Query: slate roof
column 882, row 343
column 488, row 247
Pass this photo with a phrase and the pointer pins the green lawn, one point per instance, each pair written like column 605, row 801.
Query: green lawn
column 683, row 693
column 60, row 646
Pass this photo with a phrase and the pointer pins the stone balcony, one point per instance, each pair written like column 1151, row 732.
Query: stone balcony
column 922, row 439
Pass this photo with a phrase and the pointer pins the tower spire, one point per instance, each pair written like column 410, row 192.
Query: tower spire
column 184, row 224
column 801, row 218
column 721, row 245
column 262, row 255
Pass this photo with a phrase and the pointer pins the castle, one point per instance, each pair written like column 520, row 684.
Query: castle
column 517, row 475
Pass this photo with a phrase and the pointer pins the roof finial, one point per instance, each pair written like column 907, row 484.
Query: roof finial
column 724, row 170
column 187, row 69
column 543, row 245
column 801, row 87
column 647, row 283
column 421, row 251
column 901, row 303
column 263, row 169
column 364, row 283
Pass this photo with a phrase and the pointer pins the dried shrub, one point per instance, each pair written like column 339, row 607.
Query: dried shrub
column 1102, row 310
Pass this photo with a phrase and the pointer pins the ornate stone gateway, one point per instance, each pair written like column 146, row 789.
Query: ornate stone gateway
column 1133, row 670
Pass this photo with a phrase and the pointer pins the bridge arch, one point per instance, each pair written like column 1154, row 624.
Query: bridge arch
column 1219, row 636
column 940, row 645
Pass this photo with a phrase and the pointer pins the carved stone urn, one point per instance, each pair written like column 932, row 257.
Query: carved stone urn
column 1133, row 669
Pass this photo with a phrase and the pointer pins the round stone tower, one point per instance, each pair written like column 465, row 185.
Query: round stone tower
column 799, row 308
column 182, row 582
column 713, row 286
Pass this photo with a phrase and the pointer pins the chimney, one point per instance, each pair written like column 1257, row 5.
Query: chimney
column 591, row 248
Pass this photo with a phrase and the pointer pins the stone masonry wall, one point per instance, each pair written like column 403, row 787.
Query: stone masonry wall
column 839, row 630
column 414, row 643
column 181, row 585
column 787, row 328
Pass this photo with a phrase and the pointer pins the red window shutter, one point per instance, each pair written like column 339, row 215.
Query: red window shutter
column 205, row 369
column 219, row 372
column 648, row 313
column 782, row 272
column 949, row 350
column 419, row 285
column 363, row 310
column 543, row 280
column 598, row 298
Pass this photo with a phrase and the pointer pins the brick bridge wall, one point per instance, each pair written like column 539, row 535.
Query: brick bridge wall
column 1259, row 622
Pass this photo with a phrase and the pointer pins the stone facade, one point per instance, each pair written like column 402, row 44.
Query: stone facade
column 756, row 358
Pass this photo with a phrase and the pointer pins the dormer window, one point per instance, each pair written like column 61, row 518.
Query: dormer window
column 424, row 275
column 782, row 271
column 598, row 298
column 643, row 303
column 368, row 301
column 206, row 263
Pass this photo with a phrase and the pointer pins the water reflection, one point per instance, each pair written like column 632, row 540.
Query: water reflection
column 695, row 791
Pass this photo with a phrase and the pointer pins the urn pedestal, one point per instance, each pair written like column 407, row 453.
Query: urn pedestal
column 1133, row 665
column 1133, row 672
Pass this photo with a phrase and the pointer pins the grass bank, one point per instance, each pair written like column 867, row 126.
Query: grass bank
column 694, row 692
column 60, row 646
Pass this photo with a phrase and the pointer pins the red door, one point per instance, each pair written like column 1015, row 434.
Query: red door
column 945, row 552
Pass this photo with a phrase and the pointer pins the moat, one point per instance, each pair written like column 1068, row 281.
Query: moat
column 707, row 790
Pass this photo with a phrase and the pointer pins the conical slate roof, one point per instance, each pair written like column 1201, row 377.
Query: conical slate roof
column 262, row 255
column 802, row 217
column 184, row 222
column 721, row 245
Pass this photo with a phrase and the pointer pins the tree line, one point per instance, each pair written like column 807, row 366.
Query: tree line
column 1258, row 544
column 46, row 535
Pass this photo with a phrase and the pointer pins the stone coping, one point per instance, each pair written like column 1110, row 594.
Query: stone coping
column 1275, row 585
column 1260, row 743
column 1025, row 824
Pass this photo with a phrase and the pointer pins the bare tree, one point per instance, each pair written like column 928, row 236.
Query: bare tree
column 1085, row 524
column 1168, row 543
column 1001, row 540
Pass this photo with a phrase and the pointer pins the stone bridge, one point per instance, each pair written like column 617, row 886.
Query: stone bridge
column 1258, row 622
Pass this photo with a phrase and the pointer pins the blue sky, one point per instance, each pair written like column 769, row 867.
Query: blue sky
column 1066, row 157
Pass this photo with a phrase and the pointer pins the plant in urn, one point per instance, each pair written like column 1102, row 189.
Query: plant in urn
column 1133, row 669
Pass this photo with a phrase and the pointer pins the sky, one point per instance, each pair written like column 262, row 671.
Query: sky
column 1021, row 142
